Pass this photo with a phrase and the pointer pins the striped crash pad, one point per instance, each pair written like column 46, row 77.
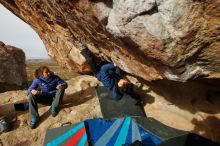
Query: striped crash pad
column 118, row 132
column 133, row 131
column 69, row 135
column 100, row 133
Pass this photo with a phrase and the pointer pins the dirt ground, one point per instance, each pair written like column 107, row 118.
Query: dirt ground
column 192, row 106
column 80, row 103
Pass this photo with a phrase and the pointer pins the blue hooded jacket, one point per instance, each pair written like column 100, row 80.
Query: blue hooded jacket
column 47, row 86
column 109, row 75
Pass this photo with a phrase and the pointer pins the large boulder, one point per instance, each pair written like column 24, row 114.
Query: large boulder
column 151, row 39
column 12, row 68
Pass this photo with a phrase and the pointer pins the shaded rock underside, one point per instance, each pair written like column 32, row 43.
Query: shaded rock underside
column 152, row 39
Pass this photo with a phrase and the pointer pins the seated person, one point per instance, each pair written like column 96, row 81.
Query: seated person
column 46, row 88
column 109, row 75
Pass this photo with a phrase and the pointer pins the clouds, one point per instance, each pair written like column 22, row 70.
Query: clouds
column 15, row 32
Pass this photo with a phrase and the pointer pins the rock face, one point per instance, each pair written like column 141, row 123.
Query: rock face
column 12, row 68
column 151, row 39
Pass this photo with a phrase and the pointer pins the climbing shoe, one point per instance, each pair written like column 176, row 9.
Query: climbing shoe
column 34, row 122
column 54, row 111
column 81, row 45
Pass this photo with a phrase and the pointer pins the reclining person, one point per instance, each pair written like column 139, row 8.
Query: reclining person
column 46, row 88
column 109, row 74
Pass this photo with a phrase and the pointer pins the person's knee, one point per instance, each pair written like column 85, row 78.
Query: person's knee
column 61, row 90
column 31, row 97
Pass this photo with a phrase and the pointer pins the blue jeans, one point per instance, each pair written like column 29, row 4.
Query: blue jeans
column 34, row 99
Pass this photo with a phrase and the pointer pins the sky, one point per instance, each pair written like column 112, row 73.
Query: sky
column 17, row 33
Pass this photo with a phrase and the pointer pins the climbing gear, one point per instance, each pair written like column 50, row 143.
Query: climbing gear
column 54, row 111
column 34, row 122
column 4, row 126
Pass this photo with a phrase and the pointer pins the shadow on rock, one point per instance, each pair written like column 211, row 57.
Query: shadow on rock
column 193, row 96
column 78, row 98
column 207, row 126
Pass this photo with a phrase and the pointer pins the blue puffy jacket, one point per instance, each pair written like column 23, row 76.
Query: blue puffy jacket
column 109, row 75
column 47, row 86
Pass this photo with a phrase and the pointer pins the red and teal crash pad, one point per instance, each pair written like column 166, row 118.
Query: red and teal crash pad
column 69, row 135
column 126, row 131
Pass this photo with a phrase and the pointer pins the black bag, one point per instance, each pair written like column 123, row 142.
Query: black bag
column 4, row 125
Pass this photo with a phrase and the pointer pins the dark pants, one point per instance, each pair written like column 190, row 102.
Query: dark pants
column 34, row 99
column 86, row 53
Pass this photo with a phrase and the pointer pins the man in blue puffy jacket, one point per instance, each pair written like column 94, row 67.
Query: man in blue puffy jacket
column 46, row 88
column 109, row 74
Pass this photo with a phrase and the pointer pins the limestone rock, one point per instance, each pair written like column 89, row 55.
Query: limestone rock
column 151, row 39
column 12, row 68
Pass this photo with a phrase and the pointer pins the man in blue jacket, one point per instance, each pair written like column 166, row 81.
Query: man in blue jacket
column 109, row 74
column 46, row 88
column 111, row 77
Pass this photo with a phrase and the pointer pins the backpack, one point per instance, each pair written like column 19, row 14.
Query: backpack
column 4, row 126
column 7, row 121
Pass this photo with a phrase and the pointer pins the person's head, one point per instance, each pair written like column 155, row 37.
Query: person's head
column 43, row 71
column 121, row 87
column 122, row 84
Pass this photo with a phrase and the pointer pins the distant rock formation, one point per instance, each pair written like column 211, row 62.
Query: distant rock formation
column 151, row 39
column 12, row 68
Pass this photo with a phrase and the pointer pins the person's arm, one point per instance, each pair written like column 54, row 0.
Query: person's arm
column 118, row 71
column 106, row 75
column 58, row 83
column 110, row 66
column 61, row 83
column 33, row 86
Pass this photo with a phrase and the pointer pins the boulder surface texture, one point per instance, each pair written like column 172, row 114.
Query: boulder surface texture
column 12, row 68
column 160, row 41
column 150, row 39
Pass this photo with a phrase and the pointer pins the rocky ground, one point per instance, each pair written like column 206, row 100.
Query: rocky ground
column 80, row 103
column 179, row 105
column 192, row 106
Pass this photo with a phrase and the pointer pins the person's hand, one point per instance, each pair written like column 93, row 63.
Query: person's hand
column 35, row 92
column 60, row 86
